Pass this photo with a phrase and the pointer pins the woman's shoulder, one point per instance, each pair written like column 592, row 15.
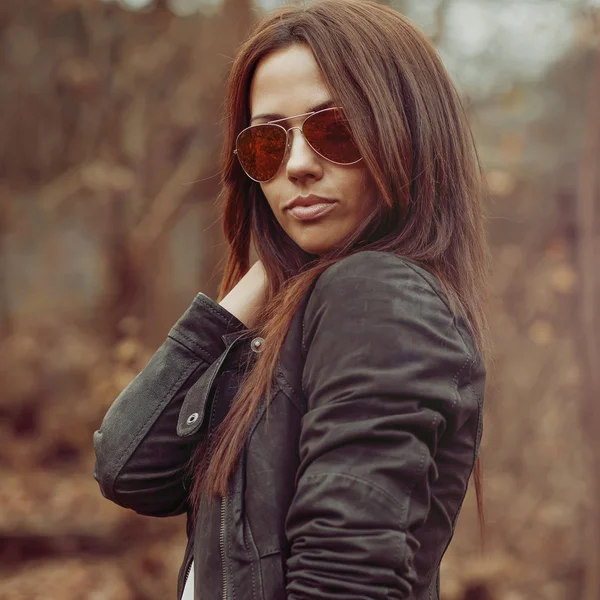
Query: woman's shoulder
column 385, row 272
column 373, row 291
column 380, row 309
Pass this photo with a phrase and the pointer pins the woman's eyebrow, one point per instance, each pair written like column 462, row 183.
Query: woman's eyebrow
column 277, row 116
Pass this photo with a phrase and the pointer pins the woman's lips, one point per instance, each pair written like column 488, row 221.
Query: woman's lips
column 314, row 211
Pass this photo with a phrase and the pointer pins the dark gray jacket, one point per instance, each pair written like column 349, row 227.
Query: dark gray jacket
column 350, row 486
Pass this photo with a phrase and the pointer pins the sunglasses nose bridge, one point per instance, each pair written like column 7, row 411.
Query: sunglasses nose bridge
column 289, row 138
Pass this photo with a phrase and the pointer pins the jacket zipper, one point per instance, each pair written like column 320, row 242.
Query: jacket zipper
column 187, row 572
column 188, row 560
column 222, row 544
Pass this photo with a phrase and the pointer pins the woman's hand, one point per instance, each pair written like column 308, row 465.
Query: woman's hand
column 248, row 295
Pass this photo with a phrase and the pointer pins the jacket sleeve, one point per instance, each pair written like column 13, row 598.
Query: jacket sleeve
column 382, row 351
column 140, row 459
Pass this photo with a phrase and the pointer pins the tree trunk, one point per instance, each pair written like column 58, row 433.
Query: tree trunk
column 4, row 300
column 588, row 210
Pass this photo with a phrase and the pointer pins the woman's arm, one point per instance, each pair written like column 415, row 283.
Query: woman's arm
column 383, row 356
column 248, row 295
column 140, row 459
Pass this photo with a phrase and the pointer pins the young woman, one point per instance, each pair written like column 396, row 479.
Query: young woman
column 319, row 425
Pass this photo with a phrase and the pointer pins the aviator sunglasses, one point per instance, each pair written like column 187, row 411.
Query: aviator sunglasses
column 261, row 148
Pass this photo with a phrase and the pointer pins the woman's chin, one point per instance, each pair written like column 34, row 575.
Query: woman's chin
column 317, row 242
column 315, row 248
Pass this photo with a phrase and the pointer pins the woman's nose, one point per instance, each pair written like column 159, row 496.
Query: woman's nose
column 302, row 160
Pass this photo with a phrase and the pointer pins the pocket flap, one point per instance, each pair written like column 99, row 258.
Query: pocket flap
column 193, row 409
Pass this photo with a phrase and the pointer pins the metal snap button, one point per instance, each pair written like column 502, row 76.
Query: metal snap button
column 257, row 344
column 192, row 418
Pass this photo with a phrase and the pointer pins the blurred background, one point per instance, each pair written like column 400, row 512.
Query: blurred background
column 110, row 128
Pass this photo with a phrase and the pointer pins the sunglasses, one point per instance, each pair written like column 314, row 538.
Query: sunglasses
column 261, row 148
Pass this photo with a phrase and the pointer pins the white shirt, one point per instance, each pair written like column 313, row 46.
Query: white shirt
column 188, row 590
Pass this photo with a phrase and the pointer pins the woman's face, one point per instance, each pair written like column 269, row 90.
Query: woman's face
column 289, row 83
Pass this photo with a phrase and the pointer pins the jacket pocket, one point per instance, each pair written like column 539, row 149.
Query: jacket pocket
column 272, row 568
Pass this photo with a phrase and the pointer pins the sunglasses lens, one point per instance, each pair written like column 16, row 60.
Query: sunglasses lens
column 260, row 150
column 328, row 133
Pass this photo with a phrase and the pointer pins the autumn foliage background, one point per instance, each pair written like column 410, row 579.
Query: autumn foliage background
column 110, row 124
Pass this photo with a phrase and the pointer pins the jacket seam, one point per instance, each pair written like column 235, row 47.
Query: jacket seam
column 204, row 353
column 238, row 491
column 261, row 410
column 118, row 468
column 283, row 383
column 441, row 297
column 468, row 361
column 360, row 480
column 302, row 340
column 420, row 471
column 269, row 552
column 211, row 419
column 456, row 394
column 226, row 319
column 250, row 554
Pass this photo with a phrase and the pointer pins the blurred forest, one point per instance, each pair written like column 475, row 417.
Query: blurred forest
column 110, row 128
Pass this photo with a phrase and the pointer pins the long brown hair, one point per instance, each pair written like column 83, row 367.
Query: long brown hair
column 410, row 126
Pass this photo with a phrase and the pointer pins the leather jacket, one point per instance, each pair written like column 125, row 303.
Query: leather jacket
column 351, row 479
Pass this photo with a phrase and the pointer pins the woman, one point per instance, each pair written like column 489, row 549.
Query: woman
column 319, row 424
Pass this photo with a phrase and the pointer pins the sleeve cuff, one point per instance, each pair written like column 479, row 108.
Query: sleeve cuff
column 202, row 326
